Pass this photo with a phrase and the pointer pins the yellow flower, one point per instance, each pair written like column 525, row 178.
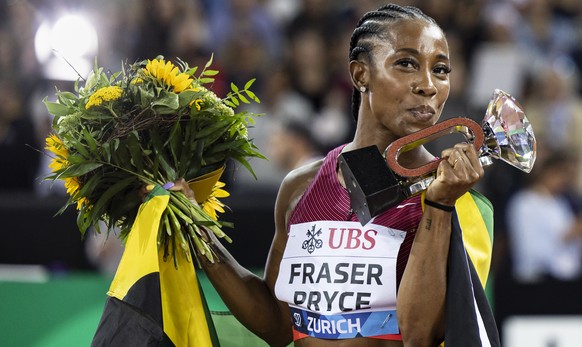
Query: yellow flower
column 73, row 186
column 103, row 95
column 196, row 103
column 169, row 74
column 212, row 204
column 55, row 145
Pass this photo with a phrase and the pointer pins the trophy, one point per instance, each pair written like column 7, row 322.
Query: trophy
column 376, row 182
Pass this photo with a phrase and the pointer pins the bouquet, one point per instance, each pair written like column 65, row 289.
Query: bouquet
column 149, row 124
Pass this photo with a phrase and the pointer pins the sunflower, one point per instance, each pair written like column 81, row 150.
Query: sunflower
column 169, row 74
column 57, row 147
column 59, row 162
column 212, row 204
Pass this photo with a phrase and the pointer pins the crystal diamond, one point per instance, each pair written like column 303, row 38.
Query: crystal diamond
column 508, row 133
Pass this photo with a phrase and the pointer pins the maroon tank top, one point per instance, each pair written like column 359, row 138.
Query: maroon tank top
column 326, row 199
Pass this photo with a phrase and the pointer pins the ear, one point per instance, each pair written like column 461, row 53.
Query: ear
column 359, row 73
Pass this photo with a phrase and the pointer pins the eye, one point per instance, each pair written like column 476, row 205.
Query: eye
column 442, row 69
column 406, row 62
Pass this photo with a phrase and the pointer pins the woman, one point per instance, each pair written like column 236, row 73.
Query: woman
column 317, row 266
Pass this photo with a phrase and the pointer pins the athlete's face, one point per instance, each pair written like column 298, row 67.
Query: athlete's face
column 409, row 77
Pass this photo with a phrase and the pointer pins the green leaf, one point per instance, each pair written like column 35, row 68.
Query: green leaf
column 84, row 221
column 246, row 164
column 80, row 169
column 121, row 154
column 56, row 108
column 220, row 126
column 186, row 158
column 253, row 96
column 175, row 145
column 92, row 78
column 97, row 116
column 110, row 193
column 191, row 71
column 186, row 97
column 115, row 143
column 210, row 72
column 243, row 99
column 250, row 83
column 160, row 154
column 233, row 87
column 90, row 142
column 107, row 151
column 67, row 98
column 167, row 99
column 89, row 186
column 206, row 80
column 135, row 150
column 209, row 61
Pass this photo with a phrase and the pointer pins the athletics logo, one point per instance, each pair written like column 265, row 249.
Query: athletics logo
column 297, row 319
column 312, row 242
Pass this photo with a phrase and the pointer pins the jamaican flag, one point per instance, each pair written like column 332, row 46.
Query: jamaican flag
column 152, row 302
column 469, row 319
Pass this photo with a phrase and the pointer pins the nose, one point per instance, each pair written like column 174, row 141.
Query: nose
column 424, row 84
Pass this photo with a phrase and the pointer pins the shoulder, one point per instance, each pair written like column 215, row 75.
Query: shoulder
column 291, row 190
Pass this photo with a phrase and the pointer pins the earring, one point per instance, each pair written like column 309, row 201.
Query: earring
column 363, row 89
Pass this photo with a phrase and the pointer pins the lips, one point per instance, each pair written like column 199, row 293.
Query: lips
column 423, row 112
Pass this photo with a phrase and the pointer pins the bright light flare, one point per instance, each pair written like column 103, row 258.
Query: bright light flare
column 72, row 39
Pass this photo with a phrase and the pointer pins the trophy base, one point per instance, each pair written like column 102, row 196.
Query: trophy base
column 372, row 186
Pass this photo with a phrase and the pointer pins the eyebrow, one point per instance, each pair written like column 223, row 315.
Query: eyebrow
column 416, row 52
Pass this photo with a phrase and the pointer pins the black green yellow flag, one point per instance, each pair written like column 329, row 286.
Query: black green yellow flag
column 151, row 301
column 469, row 318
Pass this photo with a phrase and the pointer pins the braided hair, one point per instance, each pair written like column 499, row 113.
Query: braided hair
column 372, row 25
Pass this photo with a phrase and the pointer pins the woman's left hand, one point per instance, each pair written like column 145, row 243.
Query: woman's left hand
column 179, row 185
column 458, row 172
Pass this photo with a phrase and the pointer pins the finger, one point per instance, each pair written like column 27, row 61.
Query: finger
column 143, row 192
column 451, row 156
column 446, row 154
column 169, row 186
column 470, row 153
column 445, row 168
column 471, row 157
column 458, row 161
column 182, row 186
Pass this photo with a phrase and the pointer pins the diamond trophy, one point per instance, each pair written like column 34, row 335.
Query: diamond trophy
column 376, row 182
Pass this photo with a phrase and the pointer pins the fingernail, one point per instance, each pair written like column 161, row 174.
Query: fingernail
column 168, row 185
column 149, row 187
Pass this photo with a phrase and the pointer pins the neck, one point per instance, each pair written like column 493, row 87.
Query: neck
column 370, row 132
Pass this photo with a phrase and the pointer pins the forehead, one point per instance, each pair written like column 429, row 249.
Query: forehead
column 418, row 34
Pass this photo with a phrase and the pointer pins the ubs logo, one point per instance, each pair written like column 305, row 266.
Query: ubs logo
column 312, row 241
column 297, row 319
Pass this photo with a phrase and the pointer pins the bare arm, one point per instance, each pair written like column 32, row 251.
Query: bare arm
column 252, row 299
column 421, row 296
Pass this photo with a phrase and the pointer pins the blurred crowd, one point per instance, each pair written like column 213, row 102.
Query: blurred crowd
column 298, row 51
